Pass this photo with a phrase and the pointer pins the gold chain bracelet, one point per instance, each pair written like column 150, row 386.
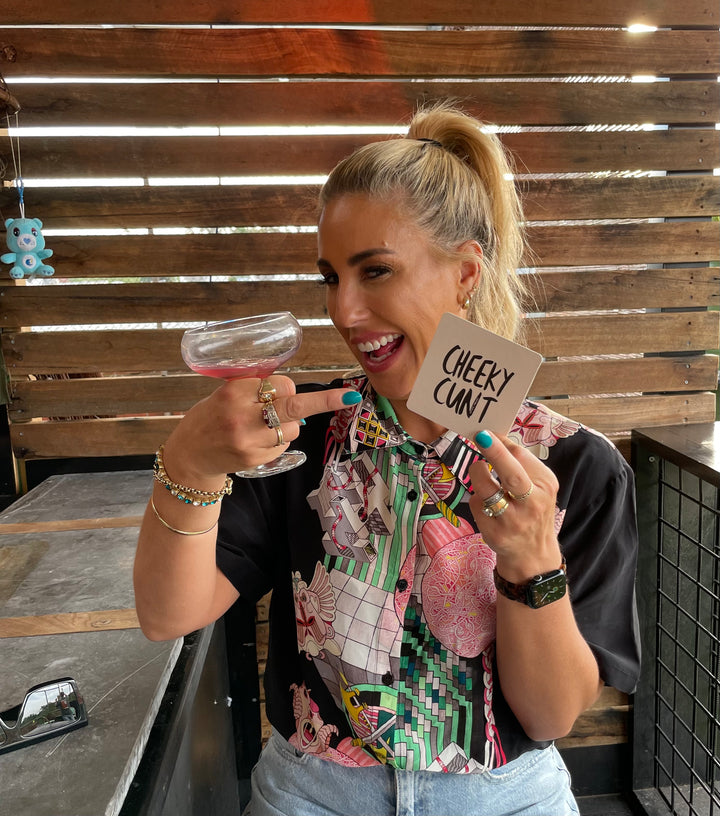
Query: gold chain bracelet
column 188, row 495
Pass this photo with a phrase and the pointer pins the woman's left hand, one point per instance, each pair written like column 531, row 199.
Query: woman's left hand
column 523, row 536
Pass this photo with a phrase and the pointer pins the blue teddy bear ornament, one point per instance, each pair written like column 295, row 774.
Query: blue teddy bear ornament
column 25, row 239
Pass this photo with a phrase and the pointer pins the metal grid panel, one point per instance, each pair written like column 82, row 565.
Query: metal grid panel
column 687, row 688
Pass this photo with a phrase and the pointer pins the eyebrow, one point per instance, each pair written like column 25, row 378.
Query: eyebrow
column 359, row 257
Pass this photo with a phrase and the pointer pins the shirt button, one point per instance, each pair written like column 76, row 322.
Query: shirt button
column 412, row 495
column 401, row 585
column 387, row 678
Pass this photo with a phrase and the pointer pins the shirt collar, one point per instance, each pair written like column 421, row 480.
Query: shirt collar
column 373, row 424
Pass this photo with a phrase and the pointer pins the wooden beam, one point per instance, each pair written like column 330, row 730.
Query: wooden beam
column 195, row 255
column 372, row 102
column 64, row 622
column 686, row 149
column 282, row 205
column 142, row 436
column 351, row 52
column 63, row 525
column 155, row 303
column 38, row 353
column 371, row 12
column 118, row 395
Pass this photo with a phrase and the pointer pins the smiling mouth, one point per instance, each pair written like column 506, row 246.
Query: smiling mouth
column 380, row 349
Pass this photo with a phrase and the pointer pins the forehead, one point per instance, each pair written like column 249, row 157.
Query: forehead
column 356, row 222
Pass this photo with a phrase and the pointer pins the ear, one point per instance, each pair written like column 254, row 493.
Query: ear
column 470, row 268
column 9, row 221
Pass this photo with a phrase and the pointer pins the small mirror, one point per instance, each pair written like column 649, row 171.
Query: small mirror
column 49, row 709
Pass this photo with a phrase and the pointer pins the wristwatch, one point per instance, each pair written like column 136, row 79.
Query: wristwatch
column 538, row 591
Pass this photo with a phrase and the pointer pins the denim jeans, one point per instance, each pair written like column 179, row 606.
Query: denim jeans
column 286, row 782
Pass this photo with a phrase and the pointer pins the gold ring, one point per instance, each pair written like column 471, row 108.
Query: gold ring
column 266, row 392
column 497, row 509
column 269, row 414
column 280, row 437
column 496, row 504
column 524, row 495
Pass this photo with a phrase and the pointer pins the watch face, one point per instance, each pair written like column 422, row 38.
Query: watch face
column 549, row 589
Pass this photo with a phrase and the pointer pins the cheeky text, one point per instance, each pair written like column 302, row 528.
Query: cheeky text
column 473, row 383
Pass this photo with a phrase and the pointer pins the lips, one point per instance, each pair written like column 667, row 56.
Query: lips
column 380, row 349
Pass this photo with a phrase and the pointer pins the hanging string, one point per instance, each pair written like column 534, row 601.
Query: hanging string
column 17, row 161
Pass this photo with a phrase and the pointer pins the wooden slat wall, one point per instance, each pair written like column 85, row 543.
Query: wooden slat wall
column 620, row 226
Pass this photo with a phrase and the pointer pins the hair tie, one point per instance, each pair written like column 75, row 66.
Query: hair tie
column 431, row 141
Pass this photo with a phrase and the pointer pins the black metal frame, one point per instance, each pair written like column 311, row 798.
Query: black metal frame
column 676, row 722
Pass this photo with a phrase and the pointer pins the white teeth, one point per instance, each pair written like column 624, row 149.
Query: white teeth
column 375, row 345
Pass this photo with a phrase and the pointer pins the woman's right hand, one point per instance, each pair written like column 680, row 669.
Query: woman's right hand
column 226, row 431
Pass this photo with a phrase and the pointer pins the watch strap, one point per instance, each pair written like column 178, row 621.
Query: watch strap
column 519, row 592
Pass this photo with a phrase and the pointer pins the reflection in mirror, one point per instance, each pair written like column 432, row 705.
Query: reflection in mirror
column 49, row 709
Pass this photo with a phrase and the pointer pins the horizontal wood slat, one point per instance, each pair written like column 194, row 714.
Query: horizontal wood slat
column 63, row 622
column 340, row 102
column 159, row 350
column 420, row 12
column 176, row 393
column 537, row 152
column 291, row 253
column 250, row 205
column 58, row 305
column 317, row 52
column 139, row 436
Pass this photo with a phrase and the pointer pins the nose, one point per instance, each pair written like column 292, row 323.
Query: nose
column 346, row 305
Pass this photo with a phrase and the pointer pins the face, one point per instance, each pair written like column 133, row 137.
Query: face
column 386, row 289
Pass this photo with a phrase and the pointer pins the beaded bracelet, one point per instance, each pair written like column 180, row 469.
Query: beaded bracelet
column 188, row 495
column 175, row 529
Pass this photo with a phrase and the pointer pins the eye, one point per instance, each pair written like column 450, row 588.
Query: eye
column 16, row 231
column 373, row 272
column 328, row 279
column 34, row 232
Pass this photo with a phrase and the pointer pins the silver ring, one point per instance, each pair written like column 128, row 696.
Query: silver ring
column 266, row 392
column 522, row 496
column 269, row 414
column 280, row 437
column 496, row 504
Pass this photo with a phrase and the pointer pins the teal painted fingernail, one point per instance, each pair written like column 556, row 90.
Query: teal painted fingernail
column 483, row 439
column 302, row 422
column 351, row 397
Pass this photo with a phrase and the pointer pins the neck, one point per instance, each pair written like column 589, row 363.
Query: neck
column 419, row 427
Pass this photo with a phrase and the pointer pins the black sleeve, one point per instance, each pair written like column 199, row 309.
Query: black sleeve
column 599, row 541
column 246, row 538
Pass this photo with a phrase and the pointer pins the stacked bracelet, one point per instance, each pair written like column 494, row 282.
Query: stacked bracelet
column 188, row 495
column 175, row 529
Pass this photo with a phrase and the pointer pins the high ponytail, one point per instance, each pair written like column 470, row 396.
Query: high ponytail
column 454, row 180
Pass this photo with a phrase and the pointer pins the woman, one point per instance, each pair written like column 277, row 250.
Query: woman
column 409, row 629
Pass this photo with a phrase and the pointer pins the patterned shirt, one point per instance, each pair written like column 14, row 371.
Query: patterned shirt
column 382, row 623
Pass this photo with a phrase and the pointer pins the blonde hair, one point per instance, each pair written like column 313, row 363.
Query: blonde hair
column 453, row 178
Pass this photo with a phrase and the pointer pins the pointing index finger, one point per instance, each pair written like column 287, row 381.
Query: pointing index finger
column 299, row 406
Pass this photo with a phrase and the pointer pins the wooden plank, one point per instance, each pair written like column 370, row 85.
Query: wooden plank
column 127, row 256
column 387, row 12
column 623, row 289
column 63, row 525
column 110, row 396
column 155, row 303
column 535, row 152
column 143, row 435
column 573, row 335
column 624, row 243
column 612, row 414
column 294, row 204
column 340, row 102
column 64, row 622
column 159, row 350
column 352, row 52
